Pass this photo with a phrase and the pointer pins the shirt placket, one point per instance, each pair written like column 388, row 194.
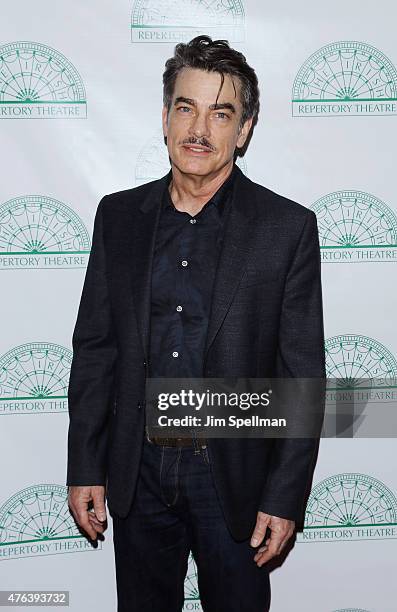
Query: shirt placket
column 185, row 272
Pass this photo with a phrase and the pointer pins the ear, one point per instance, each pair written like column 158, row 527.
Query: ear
column 243, row 134
column 164, row 117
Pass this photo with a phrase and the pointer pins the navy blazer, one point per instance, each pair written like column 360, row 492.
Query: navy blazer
column 266, row 320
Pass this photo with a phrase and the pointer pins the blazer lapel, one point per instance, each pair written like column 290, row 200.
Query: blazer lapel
column 231, row 264
column 234, row 254
column 142, row 245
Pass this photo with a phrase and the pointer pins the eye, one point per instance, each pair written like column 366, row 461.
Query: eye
column 222, row 115
column 183, row 108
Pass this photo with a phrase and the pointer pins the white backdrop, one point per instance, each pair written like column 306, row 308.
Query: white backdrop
column 80, row 106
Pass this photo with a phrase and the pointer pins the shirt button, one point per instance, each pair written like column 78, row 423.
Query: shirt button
column 184, row 263
column 192, row 220
column 175, row 354
column 179, row 308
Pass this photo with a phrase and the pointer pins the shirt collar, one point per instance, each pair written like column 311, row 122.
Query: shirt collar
column 218, row 199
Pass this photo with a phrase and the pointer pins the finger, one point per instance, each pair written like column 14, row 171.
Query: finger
column 260, row 551
column 258, row 556
column 85, row 524
column 78, row 505
column 273, row 547
column 98, row 528
column 83, row 519
column 272, row 550
column 263, row 548
column 98, row 525
column 99, row 505
column 259, row 531
column 280, row 540
column 94, row 521
column 278, row 543
column 263, row 558
column 266, row 543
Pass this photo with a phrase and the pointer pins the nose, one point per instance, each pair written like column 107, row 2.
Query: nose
column 199, row 126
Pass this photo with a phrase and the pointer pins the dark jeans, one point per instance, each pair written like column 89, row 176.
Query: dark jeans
column 175, row 511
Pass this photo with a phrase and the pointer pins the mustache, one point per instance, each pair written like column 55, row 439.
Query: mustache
column 199, row 141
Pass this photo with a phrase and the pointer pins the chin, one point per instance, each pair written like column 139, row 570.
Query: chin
column 201, row 167
column 200, row 171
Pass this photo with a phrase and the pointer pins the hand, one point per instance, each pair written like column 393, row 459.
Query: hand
column 93, row 522
column 281, row 531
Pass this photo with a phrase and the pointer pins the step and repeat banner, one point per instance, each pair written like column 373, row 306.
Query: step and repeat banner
column 80, row 116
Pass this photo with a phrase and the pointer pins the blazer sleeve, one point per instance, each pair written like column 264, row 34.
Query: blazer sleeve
column 92, row 371
column 300, row 355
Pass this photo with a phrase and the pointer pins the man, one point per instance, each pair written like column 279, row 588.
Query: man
column 202, row 273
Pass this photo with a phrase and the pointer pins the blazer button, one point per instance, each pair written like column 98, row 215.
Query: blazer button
column 139, row 406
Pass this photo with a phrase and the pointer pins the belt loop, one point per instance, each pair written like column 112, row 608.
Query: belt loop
column 195, row 445
column 196, row 442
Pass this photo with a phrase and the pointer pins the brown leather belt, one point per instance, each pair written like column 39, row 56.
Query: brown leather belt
column 176, row 442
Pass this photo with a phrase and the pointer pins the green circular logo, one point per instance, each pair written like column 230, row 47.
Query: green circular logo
column 346, row 70
column 153, row 161
column 354, row 219
column 350, row 500
column 345, row 78
column 191, row 589
column 39, row 370
column 36, row 81
column 36, row 224
column 165, row 20
column 36, row 514
column 351, row 358
column 32, row 72
column 187, row 13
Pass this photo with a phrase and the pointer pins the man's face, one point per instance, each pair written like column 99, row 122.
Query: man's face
column 202, row 136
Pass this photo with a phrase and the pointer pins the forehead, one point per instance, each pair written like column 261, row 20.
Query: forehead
column 203, row 86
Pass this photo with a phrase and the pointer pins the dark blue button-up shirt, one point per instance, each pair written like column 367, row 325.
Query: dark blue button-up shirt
column 185, row 259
